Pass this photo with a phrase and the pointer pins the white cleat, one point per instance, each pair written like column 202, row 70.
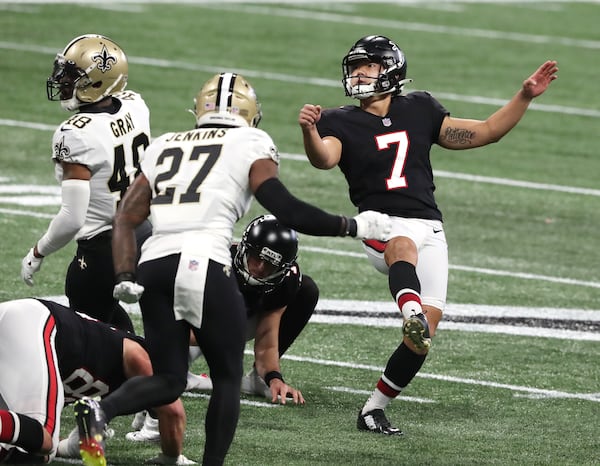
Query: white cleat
column 201, row 383
column 138, row 420
column 164, row 459
column 148, row 433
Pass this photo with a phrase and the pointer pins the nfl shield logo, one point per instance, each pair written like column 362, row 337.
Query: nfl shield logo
column 386, row 122
column 193, row 265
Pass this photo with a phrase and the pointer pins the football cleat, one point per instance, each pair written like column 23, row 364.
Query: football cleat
column 69, row 447
column 148, row 433
column 90, row 424
column 375, row 421
column 201, row 383
column 138, row 420
column 252, row 384
column 161, row 458
column 417, row 331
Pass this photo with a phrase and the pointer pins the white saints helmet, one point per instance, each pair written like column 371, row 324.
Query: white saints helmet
column 90, row 68
column 227, row 99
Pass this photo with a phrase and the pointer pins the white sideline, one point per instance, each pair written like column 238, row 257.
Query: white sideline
column 483, row 310
column 338, row 307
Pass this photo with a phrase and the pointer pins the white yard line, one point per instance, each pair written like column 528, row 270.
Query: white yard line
column 404, row 26
column 354, row 391
column 518, row 389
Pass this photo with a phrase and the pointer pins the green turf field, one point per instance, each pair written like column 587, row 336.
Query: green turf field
column 522, row 216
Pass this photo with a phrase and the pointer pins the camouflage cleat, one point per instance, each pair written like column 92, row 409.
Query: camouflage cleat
column 90, row 424
column 417, row 331
column 375, row 421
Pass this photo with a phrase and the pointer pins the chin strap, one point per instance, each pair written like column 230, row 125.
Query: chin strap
column 402, row 82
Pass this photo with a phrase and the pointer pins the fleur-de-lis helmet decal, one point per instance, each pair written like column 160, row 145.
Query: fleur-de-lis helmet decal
column 104, row 60
column 90, row 68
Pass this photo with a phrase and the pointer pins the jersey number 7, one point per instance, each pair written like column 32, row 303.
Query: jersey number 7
column 396, row 179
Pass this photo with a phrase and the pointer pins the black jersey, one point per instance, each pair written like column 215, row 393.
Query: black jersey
column 386, row 160
column 258, row 300
column 89, row 353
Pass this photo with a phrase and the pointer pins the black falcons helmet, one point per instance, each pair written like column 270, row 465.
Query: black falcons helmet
column 266, row 238
column 375, row 49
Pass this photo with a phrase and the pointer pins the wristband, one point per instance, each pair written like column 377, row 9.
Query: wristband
column 352, row 227
column 125, row 277
column 348, row 226
column 269, row 376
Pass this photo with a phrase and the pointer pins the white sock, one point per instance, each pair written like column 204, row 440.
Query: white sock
column 409, row 302
column 377, row 400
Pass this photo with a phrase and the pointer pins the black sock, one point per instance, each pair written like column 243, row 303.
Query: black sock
column 403, row 365
column 21, row 430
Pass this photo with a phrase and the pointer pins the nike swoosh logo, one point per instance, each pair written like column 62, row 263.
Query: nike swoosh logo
column 437, row 231
column 65, row 129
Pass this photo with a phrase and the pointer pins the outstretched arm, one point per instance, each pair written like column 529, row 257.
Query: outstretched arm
column 459, row 133
column 307, row 218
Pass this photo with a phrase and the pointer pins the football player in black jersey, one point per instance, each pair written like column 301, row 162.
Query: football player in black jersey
column 382, row 147
column 280, row 301
column 49, row 356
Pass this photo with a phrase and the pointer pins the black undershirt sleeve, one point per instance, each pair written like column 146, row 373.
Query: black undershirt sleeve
column 299, row 215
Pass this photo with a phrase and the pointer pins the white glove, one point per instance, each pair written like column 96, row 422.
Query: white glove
column 30, row 265
column 373, row 225
column 128, row 292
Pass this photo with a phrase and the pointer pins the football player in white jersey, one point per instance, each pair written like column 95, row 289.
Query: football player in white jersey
column 197, row 184
column 96, row 153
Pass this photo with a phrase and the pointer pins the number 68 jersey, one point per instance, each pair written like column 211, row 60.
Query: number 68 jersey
column 110, row 142
column 200, row 188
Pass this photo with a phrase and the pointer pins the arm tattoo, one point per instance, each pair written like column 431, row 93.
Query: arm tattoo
column 459, row 136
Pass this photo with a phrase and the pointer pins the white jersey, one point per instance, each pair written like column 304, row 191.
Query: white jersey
column 200, row 189
column 110, row 145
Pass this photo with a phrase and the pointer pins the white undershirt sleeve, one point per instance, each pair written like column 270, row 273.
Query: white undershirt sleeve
column 69, row 219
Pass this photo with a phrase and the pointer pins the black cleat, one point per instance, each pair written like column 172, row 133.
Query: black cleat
column 375, row 421
column 90, row 424
column 417, row 331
